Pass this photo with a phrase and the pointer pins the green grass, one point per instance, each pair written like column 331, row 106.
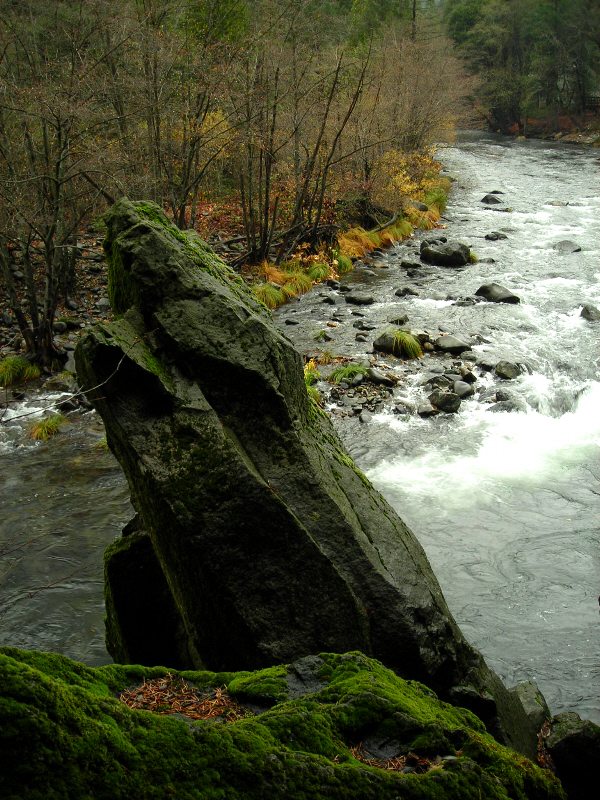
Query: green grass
column 16, row 369
column 347, row 373
column 318, row 272
column 406, row 345
column 437, row 197
column 297, row 282
column 269, row 295
column 344, row 264
column 473, row 257
column 44, row 429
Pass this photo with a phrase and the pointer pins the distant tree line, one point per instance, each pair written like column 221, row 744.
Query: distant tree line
column 533, row 57
column 285, row 106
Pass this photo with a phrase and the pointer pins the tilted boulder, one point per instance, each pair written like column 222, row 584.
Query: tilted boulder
column 257, row 540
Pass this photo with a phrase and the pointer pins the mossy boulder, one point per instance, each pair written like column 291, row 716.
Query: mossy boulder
column 259, row 541
column 64, row 733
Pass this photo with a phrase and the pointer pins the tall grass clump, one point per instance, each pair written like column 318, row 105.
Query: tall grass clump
column 269, row 295
column 344, row 264
column 45, row 428
column 405, row 345
column 347, row 373
column 16, row 369
column 319, row 271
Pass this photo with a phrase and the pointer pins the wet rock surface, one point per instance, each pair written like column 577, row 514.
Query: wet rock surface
column 205, row 407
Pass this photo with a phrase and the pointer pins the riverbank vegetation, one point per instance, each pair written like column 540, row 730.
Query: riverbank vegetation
column 294, row 136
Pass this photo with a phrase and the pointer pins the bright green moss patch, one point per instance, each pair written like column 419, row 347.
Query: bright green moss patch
column 64, row 733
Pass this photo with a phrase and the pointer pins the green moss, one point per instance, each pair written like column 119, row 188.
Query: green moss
column 266, row 687
column 348, row 461
column 63, row 733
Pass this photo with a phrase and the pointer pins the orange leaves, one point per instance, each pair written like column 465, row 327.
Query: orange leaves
column 172, row 695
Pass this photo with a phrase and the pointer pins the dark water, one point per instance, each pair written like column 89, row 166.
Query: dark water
column 61, row 503
column 507, row 506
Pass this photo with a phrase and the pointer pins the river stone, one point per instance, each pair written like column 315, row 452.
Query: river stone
column 463, row 389
column 495, row 293
column 508, row 370
column 377, row 376
column 445, row 401
column 451, row 344
column 359, row 298
column 494, row 236
column 406, row 291
column 491, row 199
column 590, row 312
column 270, row 541
column 452, row 254
column 566, row 246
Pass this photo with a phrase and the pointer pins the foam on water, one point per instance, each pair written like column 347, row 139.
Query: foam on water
column 512, row 448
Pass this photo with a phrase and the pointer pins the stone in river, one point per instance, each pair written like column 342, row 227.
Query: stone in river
column 491, row 199
column 360, row 298
column 450, row 254
column 494, row 236
column 508, row 370
column 463, row 389
column 590, row 312
column 451, row 344
column 566, row 246
column 445, row 401
column 495, row 293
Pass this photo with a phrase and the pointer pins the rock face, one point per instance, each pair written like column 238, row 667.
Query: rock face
column 65, row 734
column 257, row 539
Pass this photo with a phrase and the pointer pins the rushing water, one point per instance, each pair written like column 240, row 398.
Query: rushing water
column 507, row 505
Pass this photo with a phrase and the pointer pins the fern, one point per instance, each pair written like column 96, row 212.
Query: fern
column 406, row 345
column 347, row 373
column 16, row 369
column 42, row 430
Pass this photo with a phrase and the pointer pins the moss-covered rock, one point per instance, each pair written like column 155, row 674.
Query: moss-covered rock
column 65, row 734
column 270, row 542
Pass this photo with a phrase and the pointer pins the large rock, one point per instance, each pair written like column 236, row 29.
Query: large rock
column 451, row 254
column 495, row 293
column 310, row 730
column 258, row 532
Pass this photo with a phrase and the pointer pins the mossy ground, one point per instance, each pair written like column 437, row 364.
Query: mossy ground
column 64, row 734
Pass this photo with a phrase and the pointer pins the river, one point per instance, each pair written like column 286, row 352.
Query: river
column 507, row 505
